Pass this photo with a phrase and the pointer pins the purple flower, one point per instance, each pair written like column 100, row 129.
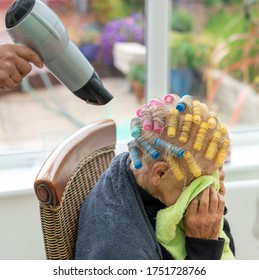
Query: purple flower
column 129, row 29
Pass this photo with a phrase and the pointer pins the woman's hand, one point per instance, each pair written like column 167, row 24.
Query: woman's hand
column 15, row 64
column 204, row 215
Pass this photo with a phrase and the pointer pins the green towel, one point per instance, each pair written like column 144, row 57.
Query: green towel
column 169, row 226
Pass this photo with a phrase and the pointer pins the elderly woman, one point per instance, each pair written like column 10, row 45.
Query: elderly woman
column 164, row 199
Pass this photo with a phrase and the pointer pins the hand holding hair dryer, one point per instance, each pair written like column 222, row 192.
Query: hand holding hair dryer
column 35, row 25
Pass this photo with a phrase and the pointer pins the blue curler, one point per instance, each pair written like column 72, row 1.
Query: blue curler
column 186, row 100
column 134, row 155
column 183, row 94
column 180, row 107
column 148, row 149
column 163, row 145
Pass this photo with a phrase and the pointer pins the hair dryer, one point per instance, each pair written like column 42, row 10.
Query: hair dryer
column 35, row 25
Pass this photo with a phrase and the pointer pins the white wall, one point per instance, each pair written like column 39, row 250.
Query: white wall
column 242, row 193
column 20, row 231
column 242, row 200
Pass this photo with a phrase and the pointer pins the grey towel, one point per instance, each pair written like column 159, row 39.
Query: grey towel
column 113, row 224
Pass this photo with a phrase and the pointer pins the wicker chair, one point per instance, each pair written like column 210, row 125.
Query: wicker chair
column 64, row 181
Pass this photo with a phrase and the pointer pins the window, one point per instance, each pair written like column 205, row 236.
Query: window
column 214, row 54
column 41, row 112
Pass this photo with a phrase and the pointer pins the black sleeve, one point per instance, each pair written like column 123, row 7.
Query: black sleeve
column 226, row 229
column 202, row 249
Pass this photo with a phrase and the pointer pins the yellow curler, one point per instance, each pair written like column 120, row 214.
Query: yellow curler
column 197, row 111
column 214, row 142
column 192, row 164
column 171, row 131
column 200, row 136
column 212, row 120
column 222, row 130
column 223, row 152
column 185, row 131
column 178, row 173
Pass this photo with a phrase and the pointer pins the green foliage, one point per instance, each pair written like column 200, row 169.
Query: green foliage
column 108, row 10
column 212, row 2
column 182, row 21
column 221, row 2
column 222, row 23
column 239, row 54
column 138, row 73
column 189, row 50
column 237, row 44
column 135, row 5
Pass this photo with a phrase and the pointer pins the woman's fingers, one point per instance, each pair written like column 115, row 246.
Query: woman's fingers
column 204, row 199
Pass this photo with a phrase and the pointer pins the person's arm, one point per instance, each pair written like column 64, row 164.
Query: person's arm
column 208, row 249
column 15, row 64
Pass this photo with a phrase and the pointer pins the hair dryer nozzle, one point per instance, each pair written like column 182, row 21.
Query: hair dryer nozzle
column 93, row 92
column 18, row 11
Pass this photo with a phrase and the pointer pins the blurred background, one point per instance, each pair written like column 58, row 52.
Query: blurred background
column 212, row 48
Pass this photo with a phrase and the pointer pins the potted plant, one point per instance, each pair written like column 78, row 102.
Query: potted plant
column 181, row 21
column 137, row 78
column 189, row 54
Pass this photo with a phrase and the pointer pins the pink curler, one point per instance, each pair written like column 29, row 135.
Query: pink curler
column 147, row 118
column 147, row 125
column 159, row 103
column 138, row 112
column 152, row 103
column 158, row 126
column 169, row 98
column 140, row 109
column 158, row 116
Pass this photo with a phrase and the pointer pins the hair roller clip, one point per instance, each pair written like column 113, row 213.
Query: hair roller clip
column 158, row 117
column 211, row 150
column 185, row 101
column 134, row 155
column 223, row 152
column 148, row 149
column 172, row 123
column 192, row 164
column 200, row 136
column 169, row 99
column 178, row 173
column 135, row 127
column 147, row 118
column 185, row 131
column 163, row 145
column 197, row 111
column 212, row 120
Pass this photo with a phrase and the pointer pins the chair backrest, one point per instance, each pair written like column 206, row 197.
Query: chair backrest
column 64, row 181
